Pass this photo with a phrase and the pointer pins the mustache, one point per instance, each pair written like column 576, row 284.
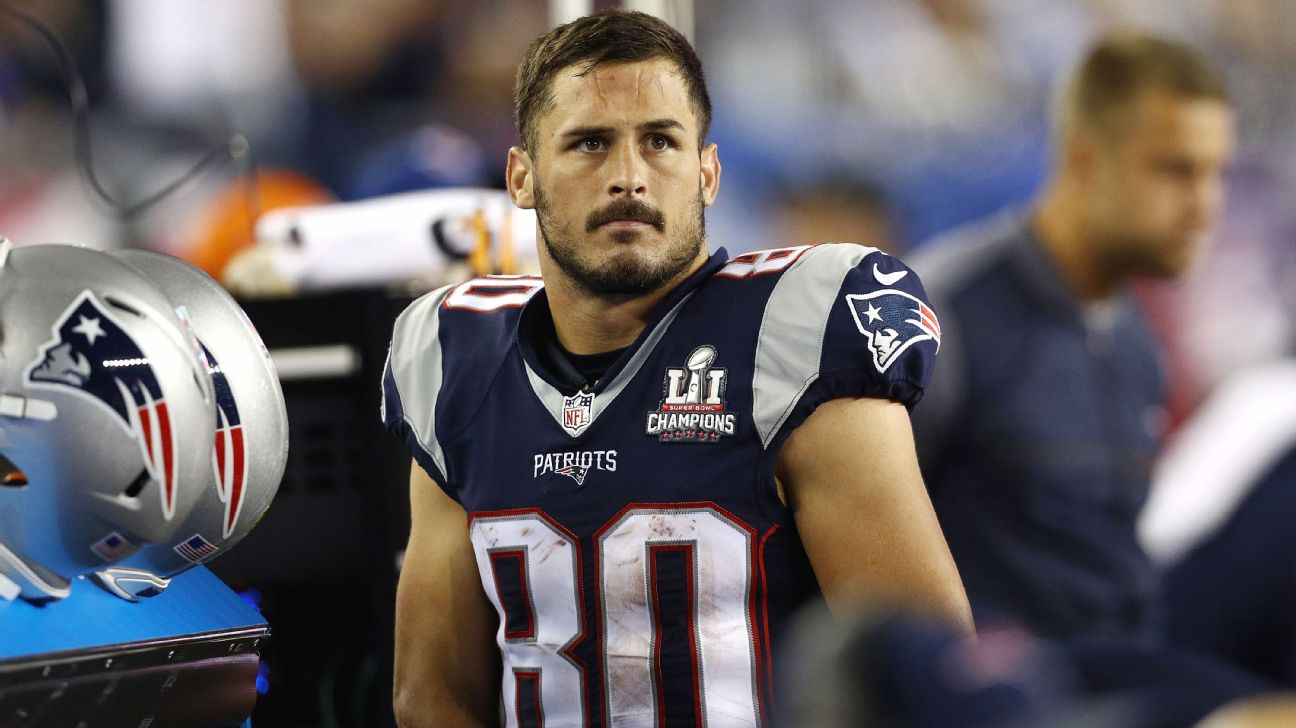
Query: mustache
column 637, row 210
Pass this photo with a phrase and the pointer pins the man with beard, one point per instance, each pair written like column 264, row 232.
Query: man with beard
column 1040, row 427
column 628, row 475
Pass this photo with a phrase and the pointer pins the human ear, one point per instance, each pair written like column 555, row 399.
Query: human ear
column 519, row 177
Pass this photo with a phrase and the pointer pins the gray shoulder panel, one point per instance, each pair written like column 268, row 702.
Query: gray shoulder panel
column 790, row 342
column 415, row 361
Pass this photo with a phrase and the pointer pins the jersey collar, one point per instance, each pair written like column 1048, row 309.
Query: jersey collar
column 535, row 329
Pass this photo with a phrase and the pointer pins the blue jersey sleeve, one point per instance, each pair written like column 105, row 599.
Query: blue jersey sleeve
column 843, row 321
column 882, row 334
column 446, row 349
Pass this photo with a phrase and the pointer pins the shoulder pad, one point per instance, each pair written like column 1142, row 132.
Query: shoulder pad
column 453, row 336
column 843, row 320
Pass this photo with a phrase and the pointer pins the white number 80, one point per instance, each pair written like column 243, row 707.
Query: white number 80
column 539, row 647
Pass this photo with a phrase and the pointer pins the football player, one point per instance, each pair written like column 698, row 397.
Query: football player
column 629, row 474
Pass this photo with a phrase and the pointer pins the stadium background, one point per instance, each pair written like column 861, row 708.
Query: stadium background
column 885, row 121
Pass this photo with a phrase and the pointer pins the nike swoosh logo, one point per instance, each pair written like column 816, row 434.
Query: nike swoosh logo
column 888, row 279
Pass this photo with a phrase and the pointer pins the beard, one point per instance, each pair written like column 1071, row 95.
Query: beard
column 1164, row 256
column 625, row 271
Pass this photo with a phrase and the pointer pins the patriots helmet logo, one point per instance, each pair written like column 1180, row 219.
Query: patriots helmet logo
column 92, row 356
column 892, row 321
column 229, row 455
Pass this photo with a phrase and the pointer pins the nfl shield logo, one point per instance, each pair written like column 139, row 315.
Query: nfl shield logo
column 576, row 411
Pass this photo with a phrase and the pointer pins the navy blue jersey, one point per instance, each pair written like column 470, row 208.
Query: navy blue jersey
column 630, row 533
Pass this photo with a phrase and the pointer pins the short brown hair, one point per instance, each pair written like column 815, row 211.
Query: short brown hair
column 613, row 36
column 1123, row 65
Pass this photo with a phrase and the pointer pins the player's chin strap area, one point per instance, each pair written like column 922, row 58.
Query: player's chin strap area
column 131, row 584
column 32, row 583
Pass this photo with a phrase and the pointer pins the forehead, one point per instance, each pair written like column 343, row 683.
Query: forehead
column 618, row 95
column 1167, row 120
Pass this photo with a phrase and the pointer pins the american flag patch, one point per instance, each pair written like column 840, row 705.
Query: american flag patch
column 195, row 549
column 112, row 547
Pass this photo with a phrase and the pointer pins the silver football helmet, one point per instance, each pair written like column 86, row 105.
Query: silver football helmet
column 106, row 417
column 251, row 441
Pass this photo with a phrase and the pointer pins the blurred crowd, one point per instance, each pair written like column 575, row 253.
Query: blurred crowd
column 885, row 122
column 888, row 121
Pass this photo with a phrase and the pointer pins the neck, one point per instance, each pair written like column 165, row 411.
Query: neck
column 1058, row 222
column 588, row 323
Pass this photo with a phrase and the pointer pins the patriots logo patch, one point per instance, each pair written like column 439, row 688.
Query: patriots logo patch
column 229, row 456
column 575, row 472
column 892, row 321
column 92, row 356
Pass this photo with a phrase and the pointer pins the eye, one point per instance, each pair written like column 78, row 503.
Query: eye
column 658, row 142
column 590, row 144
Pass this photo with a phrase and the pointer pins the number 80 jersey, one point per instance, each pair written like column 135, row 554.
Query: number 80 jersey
column 630, row 534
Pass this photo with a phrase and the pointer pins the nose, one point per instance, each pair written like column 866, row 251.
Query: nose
column 1207, row 196
column 627, row 171
column 1211, row 195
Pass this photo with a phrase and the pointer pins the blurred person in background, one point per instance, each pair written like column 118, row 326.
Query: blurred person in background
column 42, row 197
column 383, row 96
column 835, row 207
column 1219, row 521
column 938, row 100
column 1253, row 265
column 1219, row 516
column 1040, row 428
column 886, row 670
column 350, row 101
